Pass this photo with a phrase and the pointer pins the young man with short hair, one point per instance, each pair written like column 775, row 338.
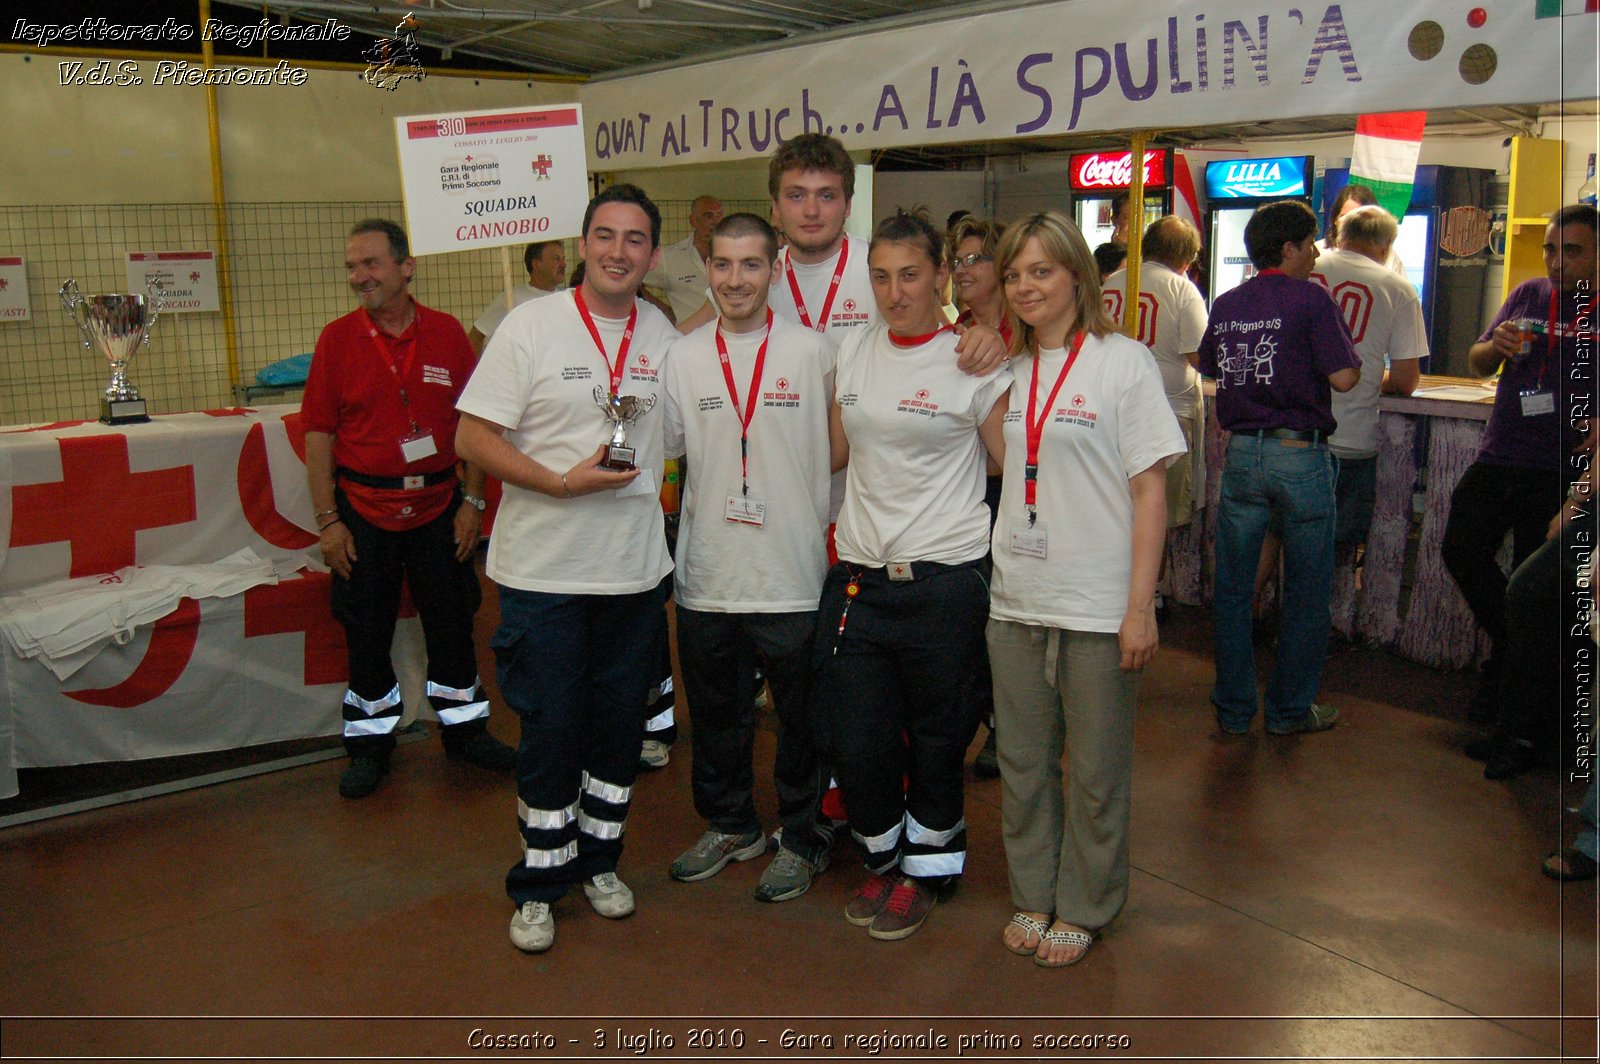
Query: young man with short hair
column 747, row 400
column 579, row 554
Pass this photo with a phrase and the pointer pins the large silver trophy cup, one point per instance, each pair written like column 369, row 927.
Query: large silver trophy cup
column 621, row 411
column 116, row 326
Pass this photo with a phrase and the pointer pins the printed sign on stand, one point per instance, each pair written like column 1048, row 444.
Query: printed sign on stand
column 187, row 279
column 483, row 179
column 14, row 305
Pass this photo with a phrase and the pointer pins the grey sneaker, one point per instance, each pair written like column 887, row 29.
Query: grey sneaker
column 609, row 896
column 714, row 850
column 789, row 876
column 1317, row 718
column 654, row 754
column 533, row 928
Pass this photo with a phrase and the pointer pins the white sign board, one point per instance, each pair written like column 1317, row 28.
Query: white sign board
column 14, row 305
column 1085, row 66
column 485, row 179
column 187, row 279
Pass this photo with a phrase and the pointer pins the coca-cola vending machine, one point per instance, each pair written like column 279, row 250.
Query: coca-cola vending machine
column 1096, row 177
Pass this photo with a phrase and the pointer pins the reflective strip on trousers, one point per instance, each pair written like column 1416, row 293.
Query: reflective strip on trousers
column 371, row 726
column 388, row 701
column 606, row 792
column 454, row 694
column 880, row 843
column 462, row 714
column 598, row 828
column 551, row 858
column 660, row 722
column 919, row 835
column 933, row 864
column 546, row 819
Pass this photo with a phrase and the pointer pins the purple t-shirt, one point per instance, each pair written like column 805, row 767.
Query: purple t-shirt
column 1271, row 345
column 1542, row 441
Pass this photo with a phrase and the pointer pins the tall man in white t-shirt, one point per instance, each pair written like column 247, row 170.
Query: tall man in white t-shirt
column 579, row 553
column 1384, row 316
column 546, row 264
column 747, row 400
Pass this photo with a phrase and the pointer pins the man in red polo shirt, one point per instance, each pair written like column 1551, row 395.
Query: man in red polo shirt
column 380, row 420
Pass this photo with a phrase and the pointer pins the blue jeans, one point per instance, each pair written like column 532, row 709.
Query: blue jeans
column 1288, row 484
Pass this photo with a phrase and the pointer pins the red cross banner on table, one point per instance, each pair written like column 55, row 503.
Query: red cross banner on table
column 81, row 499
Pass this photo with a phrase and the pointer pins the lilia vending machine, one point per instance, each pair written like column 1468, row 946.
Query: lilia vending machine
column 1234, row 189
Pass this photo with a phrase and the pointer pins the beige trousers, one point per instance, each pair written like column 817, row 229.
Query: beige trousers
column 1066, row 849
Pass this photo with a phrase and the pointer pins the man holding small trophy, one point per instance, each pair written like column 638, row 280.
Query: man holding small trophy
column 563, row 409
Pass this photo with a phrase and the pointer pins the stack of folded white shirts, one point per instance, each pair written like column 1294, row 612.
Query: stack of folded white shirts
column 66, row 623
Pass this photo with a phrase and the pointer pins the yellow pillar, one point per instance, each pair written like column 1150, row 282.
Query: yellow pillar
column 1130, row 304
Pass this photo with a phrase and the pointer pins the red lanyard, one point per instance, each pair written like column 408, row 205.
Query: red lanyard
column 594, row 333
column 400, row 372
column 1033, row 426
column 750, row 400
column 833, row 289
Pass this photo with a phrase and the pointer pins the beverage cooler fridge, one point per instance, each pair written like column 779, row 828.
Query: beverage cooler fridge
column 1234, row 189
column 1096, row 177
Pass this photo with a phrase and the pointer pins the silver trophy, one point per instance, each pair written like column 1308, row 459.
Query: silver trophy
column 621, row 411
column 115, row 325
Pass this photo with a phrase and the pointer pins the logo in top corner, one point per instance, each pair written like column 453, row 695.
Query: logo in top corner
column 392, row 60
column 541, row 167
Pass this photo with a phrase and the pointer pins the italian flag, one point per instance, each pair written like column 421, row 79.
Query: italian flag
column 1385, row 156
column 1563, row 8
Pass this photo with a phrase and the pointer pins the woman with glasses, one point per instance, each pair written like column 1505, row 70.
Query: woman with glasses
column 1072, row 619
column 977, row 287
column 900, row 624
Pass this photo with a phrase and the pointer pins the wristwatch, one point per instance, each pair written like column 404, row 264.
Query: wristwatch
column 477, row 503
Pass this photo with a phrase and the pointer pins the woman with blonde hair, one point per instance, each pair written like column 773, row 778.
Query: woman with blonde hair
column 1072, row 623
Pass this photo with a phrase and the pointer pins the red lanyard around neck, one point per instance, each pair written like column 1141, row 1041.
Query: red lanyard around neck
column 1033, row 425
column 400, row 371
column 615, row 370
column 749, row 412
column 833, row 289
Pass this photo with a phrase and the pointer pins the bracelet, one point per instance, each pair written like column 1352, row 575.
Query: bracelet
column 330, row 524
column 323, row 513
column 565, row 491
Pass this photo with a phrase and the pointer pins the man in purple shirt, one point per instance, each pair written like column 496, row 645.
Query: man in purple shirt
column 1542, row 337
column 1277, row 349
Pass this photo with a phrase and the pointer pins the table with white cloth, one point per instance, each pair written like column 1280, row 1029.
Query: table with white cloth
column 83, row 499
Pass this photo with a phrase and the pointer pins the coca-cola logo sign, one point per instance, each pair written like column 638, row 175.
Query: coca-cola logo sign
column 1115, row 170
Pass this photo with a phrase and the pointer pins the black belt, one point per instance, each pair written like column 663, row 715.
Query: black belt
column 1306, row 435
column 901, row 572
column 412, row 483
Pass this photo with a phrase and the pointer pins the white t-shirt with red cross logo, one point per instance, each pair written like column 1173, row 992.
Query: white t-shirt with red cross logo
column 1172, row 321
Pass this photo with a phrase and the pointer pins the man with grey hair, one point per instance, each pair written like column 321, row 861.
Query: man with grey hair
column 681, row 274
column 1384, row 316
column 380, row 421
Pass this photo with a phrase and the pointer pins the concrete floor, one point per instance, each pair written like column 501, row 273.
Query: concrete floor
column 1360, row 894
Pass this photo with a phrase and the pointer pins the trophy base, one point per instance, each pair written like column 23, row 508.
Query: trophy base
column 619, row 458
column 123, row 411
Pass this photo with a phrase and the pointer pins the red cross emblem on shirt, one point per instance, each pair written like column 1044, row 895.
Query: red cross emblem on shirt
column 783, row 384
column 99, row 505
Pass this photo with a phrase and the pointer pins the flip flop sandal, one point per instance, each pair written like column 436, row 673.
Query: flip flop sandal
column 1569, row 866
column 1082, row 939
column 1037, row 928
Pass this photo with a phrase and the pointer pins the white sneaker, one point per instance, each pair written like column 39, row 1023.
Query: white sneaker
column 533, row 927
column 654, row 754
column 609, row 896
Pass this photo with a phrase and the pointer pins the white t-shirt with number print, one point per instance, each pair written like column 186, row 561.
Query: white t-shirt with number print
column 1110, row 421
column 537, row 377
column 914, row 488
